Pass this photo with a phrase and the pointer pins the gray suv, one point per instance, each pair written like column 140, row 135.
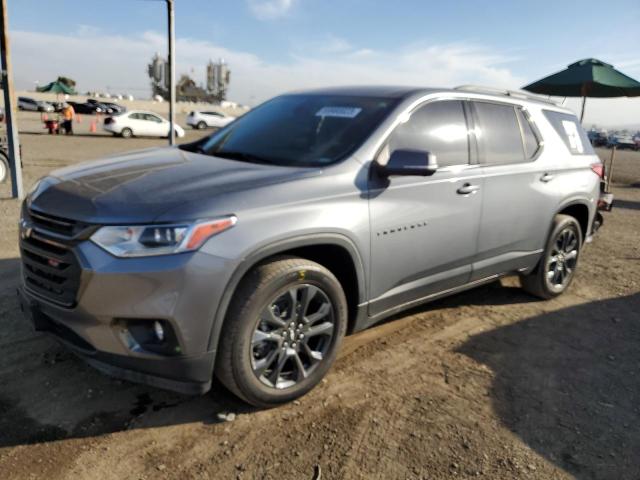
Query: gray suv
column 251, row 253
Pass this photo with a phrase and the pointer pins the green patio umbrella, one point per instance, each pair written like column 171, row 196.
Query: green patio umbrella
column 58, row 88
column 587, row 78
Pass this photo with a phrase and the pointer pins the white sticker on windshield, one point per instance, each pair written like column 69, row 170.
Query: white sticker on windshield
column 575, row 142
column 340, row 112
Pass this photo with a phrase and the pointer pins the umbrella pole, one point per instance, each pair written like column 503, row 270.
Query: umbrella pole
column 584, row 101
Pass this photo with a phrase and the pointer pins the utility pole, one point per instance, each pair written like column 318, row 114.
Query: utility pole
column 172, row 73
column 9, row 106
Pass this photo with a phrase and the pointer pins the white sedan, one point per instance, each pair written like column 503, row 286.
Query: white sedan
column 140, row 124
column 202, row 120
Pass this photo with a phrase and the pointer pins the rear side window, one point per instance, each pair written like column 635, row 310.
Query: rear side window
column 571, row 132
column 439, row 128
column 498, row 134
column 529, row 137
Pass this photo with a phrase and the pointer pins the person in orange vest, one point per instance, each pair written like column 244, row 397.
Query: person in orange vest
column 67, row 114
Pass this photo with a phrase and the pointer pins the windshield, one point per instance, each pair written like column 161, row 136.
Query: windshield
column 300, row 130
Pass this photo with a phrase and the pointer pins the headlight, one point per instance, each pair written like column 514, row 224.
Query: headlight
column 147, row 240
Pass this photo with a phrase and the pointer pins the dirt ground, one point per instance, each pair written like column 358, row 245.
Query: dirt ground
column 491, row 383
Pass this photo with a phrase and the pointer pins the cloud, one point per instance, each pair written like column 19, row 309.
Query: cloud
column 118, row 63
column 101, row 61
column 270, row 9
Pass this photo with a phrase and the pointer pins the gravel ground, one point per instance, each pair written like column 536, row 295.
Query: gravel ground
column 489, row 383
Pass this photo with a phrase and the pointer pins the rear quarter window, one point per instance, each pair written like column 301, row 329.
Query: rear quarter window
column 571, row 132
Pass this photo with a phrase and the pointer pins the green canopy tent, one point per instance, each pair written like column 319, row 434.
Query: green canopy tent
column 587, row 78
column 58, row 88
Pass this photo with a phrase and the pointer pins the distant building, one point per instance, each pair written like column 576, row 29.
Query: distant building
column 217, row 82
column 218, row 78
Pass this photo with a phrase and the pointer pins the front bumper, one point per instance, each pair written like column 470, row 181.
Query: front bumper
column 188, row 375
column 181, row 290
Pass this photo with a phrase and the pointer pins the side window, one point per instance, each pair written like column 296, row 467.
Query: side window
column 529, row 137
column 135, row 116
column 498, row 133
column 571, row 132
column 439, row 128
column 152, row 118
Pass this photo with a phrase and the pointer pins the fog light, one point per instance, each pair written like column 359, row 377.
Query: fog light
column 158, row 330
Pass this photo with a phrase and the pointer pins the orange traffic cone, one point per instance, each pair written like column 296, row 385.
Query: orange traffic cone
column 93, row 127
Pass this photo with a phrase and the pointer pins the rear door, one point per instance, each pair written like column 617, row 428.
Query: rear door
column 519, row 198
column 137, row 123
column 155, row 125
column 424, row 229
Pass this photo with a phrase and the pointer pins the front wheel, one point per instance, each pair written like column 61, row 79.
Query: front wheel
column 4, row 167
column 282, row 332
column 202, row 125
column 126, row 133
column 557, row 267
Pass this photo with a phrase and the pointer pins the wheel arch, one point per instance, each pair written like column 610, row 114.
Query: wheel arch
column 578, row 209
column 329, row 250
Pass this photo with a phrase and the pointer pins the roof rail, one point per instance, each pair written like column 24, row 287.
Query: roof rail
column 502, row 91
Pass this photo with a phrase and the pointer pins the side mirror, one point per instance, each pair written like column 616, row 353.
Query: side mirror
column 410, row 162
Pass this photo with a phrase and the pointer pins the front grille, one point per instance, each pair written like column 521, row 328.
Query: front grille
column 50, row 267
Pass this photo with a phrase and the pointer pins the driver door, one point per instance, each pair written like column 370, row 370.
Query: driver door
column 424, row 230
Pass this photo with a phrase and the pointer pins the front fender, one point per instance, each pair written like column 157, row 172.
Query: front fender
column 275, row 248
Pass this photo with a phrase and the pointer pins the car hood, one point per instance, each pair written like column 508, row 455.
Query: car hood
column 140, row 186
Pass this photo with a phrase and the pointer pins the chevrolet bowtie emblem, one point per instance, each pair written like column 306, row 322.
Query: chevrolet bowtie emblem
column 25, row 231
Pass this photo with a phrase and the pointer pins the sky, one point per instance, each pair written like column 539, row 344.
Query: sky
column 274, row 46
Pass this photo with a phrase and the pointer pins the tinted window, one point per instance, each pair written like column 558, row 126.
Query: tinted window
column 136, row 116
column 303, row 130
column 531, row 143
column 571, row 132
column 498, row 134
column 439, row 128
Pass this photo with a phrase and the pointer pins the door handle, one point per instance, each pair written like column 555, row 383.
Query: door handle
column 547, row 177
column 467, row 188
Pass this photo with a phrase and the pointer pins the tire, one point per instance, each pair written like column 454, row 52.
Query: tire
column 202, row 125
column 4, row 167
column 258, row 359
column 126, row 132
column 556, row 269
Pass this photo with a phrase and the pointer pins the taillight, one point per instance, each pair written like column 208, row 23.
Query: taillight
column 598, row 169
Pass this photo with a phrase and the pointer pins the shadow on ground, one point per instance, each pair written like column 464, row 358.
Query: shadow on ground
column 48, row 394
column 567, row 383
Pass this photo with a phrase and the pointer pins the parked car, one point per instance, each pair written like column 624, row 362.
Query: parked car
column 598, row 138
column 87, row 108
column 140, row 124
column 250, row 253
column 114, row 107
column 103, row 107
column 201, row 120
column 622, row 141
column 29, row 104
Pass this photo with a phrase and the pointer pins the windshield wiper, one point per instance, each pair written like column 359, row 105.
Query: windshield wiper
column 243, row 156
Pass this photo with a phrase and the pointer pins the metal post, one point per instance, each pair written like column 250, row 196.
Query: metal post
column 172, row 73
column 9, row 106
column 610, row 175
column 584, row 101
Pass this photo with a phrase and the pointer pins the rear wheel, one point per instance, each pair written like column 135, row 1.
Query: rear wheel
column 282, row 332
column 4, row 167
column 557, row 267
column 126, row 133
